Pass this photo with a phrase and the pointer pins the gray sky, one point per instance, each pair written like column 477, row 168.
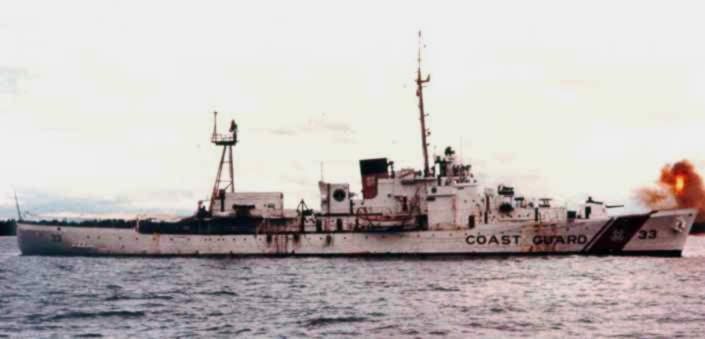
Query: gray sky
column 106, row 106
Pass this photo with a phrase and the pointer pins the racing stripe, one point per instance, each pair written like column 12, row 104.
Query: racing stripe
column 597, row 235
column 618, row 234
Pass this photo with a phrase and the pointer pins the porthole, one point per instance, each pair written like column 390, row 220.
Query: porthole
column 339, row 195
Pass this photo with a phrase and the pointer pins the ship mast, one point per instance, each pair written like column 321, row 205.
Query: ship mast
column 227, row 141
column 422, row 115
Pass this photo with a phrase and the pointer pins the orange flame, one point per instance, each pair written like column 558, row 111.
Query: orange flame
column 681, row 187
column 680, row 184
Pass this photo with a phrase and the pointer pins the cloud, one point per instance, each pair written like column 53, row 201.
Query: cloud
column 283, row 131
column 36, row 204
column 110, row 116
column 9, row 79
column 321, row 124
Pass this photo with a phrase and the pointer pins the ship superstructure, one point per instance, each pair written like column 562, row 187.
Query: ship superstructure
column 445, row 195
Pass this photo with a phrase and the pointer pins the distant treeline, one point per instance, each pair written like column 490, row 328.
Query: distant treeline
column 8, row 227
column 110, row 223
column 191, row 225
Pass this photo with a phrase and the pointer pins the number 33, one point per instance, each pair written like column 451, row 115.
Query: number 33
column 651, row 234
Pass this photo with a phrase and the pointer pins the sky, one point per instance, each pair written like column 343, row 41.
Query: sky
column 107, row 106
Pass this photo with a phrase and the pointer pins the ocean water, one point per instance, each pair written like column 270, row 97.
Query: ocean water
column 546, row 297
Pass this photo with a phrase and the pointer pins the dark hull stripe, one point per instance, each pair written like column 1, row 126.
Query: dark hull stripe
column 698, row 228
column 619, row 233
column 652, row 253
column 597, row 235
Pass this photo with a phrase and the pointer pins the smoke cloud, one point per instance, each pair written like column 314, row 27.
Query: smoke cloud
column 670, row 194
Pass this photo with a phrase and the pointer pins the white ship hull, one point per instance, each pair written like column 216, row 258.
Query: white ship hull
column 662, row 233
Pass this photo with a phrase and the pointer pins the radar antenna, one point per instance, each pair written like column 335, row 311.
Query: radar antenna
column 227, row 141
column 422, row 115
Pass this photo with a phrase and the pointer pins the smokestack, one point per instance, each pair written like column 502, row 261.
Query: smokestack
column 370, row 171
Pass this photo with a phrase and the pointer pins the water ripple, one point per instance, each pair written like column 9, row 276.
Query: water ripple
column 547, row 297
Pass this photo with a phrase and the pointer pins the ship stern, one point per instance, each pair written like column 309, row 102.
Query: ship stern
column 42, row 240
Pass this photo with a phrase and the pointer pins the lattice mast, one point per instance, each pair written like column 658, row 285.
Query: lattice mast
column 227, row 141
column 422, row 115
